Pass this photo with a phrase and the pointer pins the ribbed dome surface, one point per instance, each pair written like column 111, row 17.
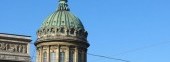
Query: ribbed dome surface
column 63, row 19
column 62, row 25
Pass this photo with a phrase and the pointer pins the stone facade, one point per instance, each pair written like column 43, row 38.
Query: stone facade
column 74, row 52
column 14, row 48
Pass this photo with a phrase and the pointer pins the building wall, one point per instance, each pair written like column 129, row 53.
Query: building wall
column 73, row 52
column 14, row 48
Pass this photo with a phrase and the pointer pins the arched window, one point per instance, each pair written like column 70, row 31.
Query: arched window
column 45, row 31
column 52, row 30
column 72, row 31
column 45, row 57
column 62, row 30
column 80, row 32
column 62, row 56
column 72, row 56
column 57, row 30
column 53, row 57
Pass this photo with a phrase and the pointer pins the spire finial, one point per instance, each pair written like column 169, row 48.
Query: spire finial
column 63, row 6
column 63, row 0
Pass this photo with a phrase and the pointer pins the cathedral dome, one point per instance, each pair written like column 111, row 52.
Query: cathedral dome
column 62, row 25
column 63, row 19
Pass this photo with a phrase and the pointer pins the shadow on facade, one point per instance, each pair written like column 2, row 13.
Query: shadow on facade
column 9, row 61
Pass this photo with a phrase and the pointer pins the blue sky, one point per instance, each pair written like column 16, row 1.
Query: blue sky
column 134, row 30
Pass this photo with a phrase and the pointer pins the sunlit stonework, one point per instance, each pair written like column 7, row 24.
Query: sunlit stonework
column 14, row 48
column 62, row 37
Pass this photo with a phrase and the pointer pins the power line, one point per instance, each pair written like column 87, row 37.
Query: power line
column 95, row 55
column 137, row 49
column 108, row 57
column 142, row 48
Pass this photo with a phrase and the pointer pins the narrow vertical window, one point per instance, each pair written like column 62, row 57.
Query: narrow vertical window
column 80, row 56
column 62, row 30
column 52, row 57
column 72, row 56
column 45, row 57
column 62, row 56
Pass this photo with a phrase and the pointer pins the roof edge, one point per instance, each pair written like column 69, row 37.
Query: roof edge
column 14, row 36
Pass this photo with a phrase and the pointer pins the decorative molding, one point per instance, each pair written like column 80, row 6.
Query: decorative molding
column 13, row 47
column 14, row 58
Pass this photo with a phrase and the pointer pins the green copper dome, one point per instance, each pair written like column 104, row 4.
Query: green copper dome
column 62, row 25
column 63, row 19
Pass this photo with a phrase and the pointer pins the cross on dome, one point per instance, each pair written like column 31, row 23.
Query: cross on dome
column 63, row 5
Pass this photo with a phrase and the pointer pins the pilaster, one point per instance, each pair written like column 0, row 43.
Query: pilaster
column 37, row 54
column 67, row 54
column 76, row 54
column 41, row 52
column 28, row 49
column 58, row 53
column 48, row 53
column 83, row 56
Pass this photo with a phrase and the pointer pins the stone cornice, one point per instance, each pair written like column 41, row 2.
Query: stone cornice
column 15, row 37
